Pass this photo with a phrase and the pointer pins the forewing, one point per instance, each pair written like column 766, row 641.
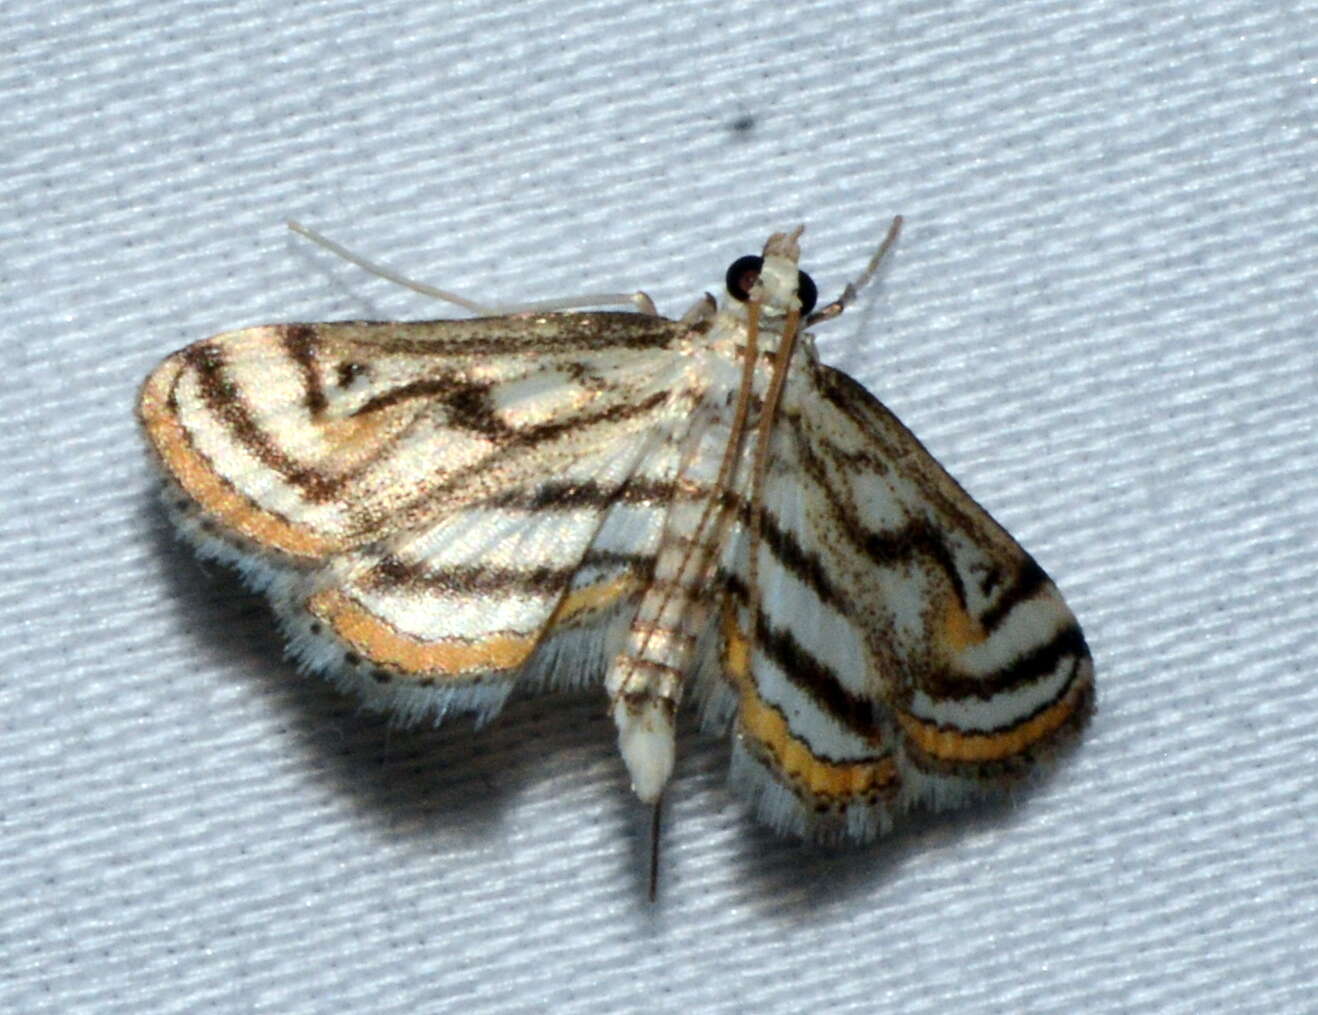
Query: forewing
column 909, row 650
column 813, row 749
column 435, row 509
column 303, row 440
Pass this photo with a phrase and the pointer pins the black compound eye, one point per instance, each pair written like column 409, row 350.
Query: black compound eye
column 807, row 292
column 745, row 270
column 742, row 275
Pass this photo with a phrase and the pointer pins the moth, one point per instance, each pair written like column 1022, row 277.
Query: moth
column 443, row 511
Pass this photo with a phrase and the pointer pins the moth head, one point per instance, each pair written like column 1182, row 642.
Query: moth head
column 773, row 279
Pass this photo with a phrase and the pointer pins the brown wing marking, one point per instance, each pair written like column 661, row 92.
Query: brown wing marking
column 824, row 784
column 201, row 481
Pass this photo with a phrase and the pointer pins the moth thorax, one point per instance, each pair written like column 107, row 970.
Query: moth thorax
column 777, row 285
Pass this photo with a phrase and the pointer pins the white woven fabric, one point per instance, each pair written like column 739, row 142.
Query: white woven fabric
column 1102, row 318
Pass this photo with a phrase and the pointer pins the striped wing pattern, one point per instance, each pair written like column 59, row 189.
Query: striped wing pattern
column 425, row 503
column 440, row 511
column 907, row 651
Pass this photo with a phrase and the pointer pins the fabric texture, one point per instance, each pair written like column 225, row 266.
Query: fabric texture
column 1101, row 318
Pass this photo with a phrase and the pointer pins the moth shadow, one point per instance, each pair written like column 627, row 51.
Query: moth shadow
column 780, row 876
column 783, row 877
column 790, row 877
column 452, row 785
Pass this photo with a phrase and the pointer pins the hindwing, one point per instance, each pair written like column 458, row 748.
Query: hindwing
column 906, row 651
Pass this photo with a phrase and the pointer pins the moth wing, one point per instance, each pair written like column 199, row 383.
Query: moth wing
column 908, row 652
column 812, row 748
column 434, row 509
column 534, row 585
column 300, row 441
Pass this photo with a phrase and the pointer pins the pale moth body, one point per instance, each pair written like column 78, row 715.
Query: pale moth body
column 441, row 511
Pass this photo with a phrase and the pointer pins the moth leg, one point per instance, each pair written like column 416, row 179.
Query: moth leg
column 388, row 273
column 639, row 300
column 853, row 288
column 702, row 310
